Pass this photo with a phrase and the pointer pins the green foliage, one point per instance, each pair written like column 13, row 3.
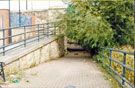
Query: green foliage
column 99, row 23
column 121, row 17
column 60, row 36
column 97, row 58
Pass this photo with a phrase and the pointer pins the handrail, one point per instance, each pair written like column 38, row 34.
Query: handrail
column 110, row 70
column 131, row 53
column 40, row 31
column 23, row 26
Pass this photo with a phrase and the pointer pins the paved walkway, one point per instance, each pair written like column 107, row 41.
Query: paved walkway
column 75, row 70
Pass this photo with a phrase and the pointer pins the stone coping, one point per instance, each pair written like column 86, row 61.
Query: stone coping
column 22, row 51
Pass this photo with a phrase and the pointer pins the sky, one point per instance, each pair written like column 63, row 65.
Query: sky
column 32, row 5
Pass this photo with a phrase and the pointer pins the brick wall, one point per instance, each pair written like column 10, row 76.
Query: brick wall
column 5, row 14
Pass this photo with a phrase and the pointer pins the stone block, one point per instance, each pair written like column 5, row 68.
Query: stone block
column 11, row 67
column 54, row 50
column 26, row 61
column 37, row 56
column 45, row 53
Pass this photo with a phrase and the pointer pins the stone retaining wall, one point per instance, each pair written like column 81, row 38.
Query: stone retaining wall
column 49, row 50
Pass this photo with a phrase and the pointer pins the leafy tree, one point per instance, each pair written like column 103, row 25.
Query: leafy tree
column 99, row 23
column 120, row 16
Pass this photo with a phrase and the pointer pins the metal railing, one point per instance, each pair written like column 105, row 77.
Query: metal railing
column 2, row 74
column 36, row 32
column 124, row 66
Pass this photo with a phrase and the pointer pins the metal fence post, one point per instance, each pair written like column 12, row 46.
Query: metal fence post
column 38, row 33
column 43, row 30
column 110, row 59
column 124, row 62
column 47, row 29
column 3, row 42
column 24, row 36
column 2, row 71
